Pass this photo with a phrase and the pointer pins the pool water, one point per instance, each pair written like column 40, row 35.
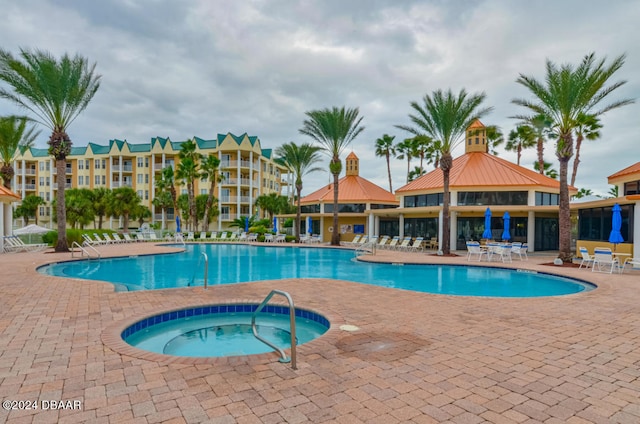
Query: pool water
column 216, row 334
column 234, row 263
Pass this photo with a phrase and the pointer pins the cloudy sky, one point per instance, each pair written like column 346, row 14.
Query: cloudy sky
column 202, row 67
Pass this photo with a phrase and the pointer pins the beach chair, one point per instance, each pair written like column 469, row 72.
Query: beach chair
column 152, row 237
column 11, row 244
column 252, row 237
column 280, row 238
column 634, row 262
column 127, row 238
column 203, row 236
column 416, row 245
column 587, row 259
column 140, row 237
column 243, row 236
column 223, row 236
column 268, row 238
column 603, row 260
column 405, row 244
column 353, row 242
column 474, row 249
column 433, row 243
column 233, row 237
column 315, row 238
column 116, row 237
column 393, row 243
column 304, row 238
column 373, row 240
column 190, row 236
column 360, row 242
column 105, row 239
column 382, row 243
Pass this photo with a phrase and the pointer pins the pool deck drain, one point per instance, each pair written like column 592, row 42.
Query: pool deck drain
column 417, row 357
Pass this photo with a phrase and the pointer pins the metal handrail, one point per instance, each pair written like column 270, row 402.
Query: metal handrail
column 292, row 325
column 368, row 245
column 83, row 250
column 206, row 269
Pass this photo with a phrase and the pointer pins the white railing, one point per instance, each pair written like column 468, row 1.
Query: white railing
column 127, row 168
column 28, row 171
column 225, row 217
column 29, row 186
column 67, row 185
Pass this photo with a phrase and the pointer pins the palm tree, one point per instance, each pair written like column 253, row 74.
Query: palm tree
column 541, row 126
column 56, row 92
column 14, row 135
column 520, row 138
column 163, row 201
column 124, row 202
column 565, row 94
column 300, row 160
column 406, row 149
column 166, row 183
column 29, row 208
column 546, row 169
column 188, row 172
column 209, row 169
column 445, row 117
column 334, row 129
column 417, row 172
column 79, row 207
column 494, row 139
column 100, row 202
column 588, row 127
column 583, row 192
column 385, row 148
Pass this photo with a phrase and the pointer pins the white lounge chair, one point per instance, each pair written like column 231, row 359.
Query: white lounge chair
column 280, row 238
column 268, row 238
column 214, row 235
column 128, row 239
column 393, row 243
column 587, row 259
column 382, row 243
column 416, row 245
column 116, row 237
column 152, row 237
column 405, row 244
column 353, row 242
column 634, row 262
column 474, row 249
column 15, row 244
column 203, row 235
column 190, row 236
column 603, row 260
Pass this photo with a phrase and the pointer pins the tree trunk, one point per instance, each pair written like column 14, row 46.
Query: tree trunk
column 61, row 211
column 335, row 235
column 445, row 164
column 541, row 155
column 519, row 154
column 564, row 153
column 298, row 214
column 389, row 172
column 576, row 160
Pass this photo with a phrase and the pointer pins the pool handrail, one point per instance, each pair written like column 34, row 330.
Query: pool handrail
column 292, row 325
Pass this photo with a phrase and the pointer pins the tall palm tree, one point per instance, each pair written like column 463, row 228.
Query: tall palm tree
column 546, row 169
column 566, row 93
column 163, row 201
column 494, row 139
column 29, row 208
column 56, row 92
column 541, row 126
column 300, row 160
column 587, row 128
column 100, row 200
column 445, row 117
column 188, row 171
column 166, row 183
column 334, row 129
column 385, row 148
column 209, row 169
column 14, row 135
column 520, row 138
column 406, row 149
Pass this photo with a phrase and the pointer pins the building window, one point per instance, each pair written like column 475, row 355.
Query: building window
column 41, row 182
column 41, row 166
column 146, row 178
column 48, row 181
column 146, row 162
column 80, row 180
column 104, row 164
column 595, row 223
column 310, row 208
column 480, row 198
column 140, row 178
column 80, row 164
column 421, row 200
column 346, row 207
column 47, row 166
column 96, row 180
column 632, row 187
column 104, row 180
column 140, row 162
column 146, row 195
column 547, row 199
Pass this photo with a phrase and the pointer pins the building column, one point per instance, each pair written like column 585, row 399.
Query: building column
column 152, row 187
column 531, row 231
column 401, row 226
column 52, row 165
column 251, row 179
column 371, row 231
column 238, row 179
column 219, row 197
column 453, row 238
column 376, row 225
column 440, row 229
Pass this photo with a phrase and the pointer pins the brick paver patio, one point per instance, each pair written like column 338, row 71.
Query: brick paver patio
column 416, row 357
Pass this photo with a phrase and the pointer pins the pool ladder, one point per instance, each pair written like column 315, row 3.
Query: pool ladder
column 84, row 250
column 292, row 324
column 206, row 270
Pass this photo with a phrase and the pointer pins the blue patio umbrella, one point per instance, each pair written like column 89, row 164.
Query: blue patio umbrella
column 178, row 224
column 246, row 224
column 487, row 225
column 507, row 219
column 308, row 225
column 615, row 236
column 275, row 224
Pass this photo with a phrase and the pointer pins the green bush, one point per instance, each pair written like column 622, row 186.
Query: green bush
column 289, row 239
column 288, row 223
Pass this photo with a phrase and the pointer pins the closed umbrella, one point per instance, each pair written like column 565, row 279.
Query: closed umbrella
column 487, row 225
column 615, row 236
column 178, row 229
column 246, row 224
column 275, row 225
column 308, row 225
column 505, row 234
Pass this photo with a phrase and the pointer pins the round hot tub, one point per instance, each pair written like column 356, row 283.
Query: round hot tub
column 223, row 330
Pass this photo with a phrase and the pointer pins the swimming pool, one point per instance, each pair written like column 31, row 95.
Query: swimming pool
column 233, row 263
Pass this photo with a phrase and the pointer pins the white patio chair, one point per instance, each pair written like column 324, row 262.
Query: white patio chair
column 382, row 243
column 280, row 238
column 500, row 251
column 203, row 235
column 191, row 236
column 393, row 243
column 214, row 235
column 587, row 259
column 634, row 262
column 474, row 249
column 355, row 240
column 416, row 245
column 405, row 244
column 268, row 238
column 603, row 260
column 519, row 249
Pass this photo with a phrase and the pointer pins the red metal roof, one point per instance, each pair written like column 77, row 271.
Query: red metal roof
column 482, row 170
column 635, row 168
column 351, row 189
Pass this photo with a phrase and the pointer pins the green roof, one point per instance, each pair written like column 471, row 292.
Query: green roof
column 78, row 151
column 266, row 153
column 39, row 152
column 205, row 144
column 98, row 149
column 137, row 148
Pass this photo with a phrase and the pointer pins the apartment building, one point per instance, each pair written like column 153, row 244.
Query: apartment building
column 249, row 171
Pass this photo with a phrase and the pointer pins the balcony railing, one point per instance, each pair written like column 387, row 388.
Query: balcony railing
column 126, row 168
column 67, row 185
column 225, row 217
column 234, row 199
column 158, row 217
column 29, row 186
column 28, row 171
column 116, row 184
column 160, row 166
column 234, row 164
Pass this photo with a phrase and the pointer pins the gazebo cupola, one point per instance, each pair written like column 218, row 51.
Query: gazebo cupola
column 352, row 163
column 476, row 140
